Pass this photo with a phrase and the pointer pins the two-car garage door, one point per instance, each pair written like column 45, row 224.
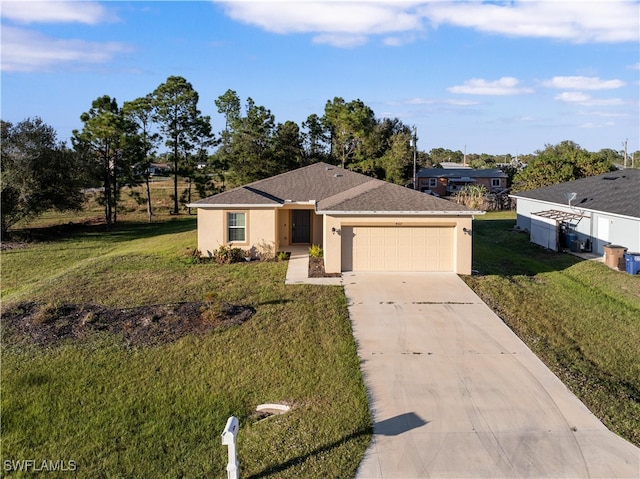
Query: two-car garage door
column 397, row 248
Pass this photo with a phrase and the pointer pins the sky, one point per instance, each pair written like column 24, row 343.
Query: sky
column 482, row 77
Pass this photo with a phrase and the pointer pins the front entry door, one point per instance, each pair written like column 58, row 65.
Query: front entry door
column 301, row 226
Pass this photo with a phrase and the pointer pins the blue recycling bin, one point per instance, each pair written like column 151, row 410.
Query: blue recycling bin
column 632, row 261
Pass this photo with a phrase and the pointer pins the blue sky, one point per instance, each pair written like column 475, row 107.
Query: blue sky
column 494, row 77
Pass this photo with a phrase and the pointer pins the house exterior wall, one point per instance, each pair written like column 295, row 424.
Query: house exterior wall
column 212, row 228
column 618, row 230
column 526, row 208
column 284, row 225
column 441, row 186
column 600, row 227
column 333, row 240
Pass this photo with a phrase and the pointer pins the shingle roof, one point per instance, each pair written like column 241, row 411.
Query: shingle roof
column 616, row 192
column 460, row 173
column 333, row 189
column 383, row 197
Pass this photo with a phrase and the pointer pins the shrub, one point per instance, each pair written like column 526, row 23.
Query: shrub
column 194, row 256
column 315, row 251
column 227, row 255
column 282, row 256
column 472, row 196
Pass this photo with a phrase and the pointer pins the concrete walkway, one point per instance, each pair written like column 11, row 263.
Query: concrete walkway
column 298, row 269
column 455, row 393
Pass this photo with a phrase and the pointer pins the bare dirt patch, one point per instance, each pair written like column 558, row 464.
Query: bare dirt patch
column 316, row 269
column 49, row 324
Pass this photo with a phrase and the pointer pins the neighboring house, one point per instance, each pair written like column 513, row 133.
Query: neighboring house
column 447, row 181
column 594, row 211
column 157, row 169
column 363, row 224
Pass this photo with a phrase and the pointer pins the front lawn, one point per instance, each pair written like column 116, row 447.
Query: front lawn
column 580, row 317
column 128, row 410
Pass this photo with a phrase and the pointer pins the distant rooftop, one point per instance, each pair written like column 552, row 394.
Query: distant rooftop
column 460, row 173
column 616, row 192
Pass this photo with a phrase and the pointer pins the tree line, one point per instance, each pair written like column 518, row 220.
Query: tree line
column 118, row 143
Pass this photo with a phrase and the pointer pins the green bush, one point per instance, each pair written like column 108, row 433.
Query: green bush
column 315, row 251
column 282, row 256
column 227, row 255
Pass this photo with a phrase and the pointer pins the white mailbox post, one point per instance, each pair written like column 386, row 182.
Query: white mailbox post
column 229, row 439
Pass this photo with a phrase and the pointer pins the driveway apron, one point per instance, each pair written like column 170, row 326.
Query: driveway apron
column 456, row 394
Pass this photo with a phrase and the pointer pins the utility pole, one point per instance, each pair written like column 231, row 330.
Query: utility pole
column 625, row 151
column 414, row 142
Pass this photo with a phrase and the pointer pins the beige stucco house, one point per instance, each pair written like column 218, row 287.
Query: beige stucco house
column 363, row 224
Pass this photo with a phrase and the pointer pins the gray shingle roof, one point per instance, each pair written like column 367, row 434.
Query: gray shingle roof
column 334, row 189
column 616, row 192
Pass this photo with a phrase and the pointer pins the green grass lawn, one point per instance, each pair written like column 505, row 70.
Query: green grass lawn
column 580, row 317
column 158, row 411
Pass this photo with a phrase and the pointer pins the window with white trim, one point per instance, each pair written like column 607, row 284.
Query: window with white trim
column 433, row 182
column 495, row 182
column 236, row 227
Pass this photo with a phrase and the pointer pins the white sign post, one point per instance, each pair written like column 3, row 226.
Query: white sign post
column 229, row 439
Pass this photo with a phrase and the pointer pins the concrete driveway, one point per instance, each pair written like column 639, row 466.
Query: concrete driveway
column 455, row 394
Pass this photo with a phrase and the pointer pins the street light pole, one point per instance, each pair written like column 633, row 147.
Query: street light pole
column 414, row 142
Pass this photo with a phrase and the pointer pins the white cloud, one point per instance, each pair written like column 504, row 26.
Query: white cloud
column 609, row 21
column 399, row 40
column 604, row 114
column 28, row 11
column 429, row 101
column 582, row 83
column 356, row 18
column 586, row 100
column 572, row 97
column 28, row 51
column 340, row 40
column 592, row 125
column 501, row 87
column 460, row 102
column 576, row 21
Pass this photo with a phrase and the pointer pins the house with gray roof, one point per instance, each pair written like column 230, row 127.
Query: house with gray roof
column 448, row 181
column 362, row 224
column 589, row 213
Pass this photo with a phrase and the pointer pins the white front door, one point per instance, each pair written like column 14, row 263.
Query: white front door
column 602, row 235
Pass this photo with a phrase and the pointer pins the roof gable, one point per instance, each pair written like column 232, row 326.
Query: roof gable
column 616, row 192
column 333, row 189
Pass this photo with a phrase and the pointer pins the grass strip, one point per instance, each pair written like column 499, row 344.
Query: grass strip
column 580, row 317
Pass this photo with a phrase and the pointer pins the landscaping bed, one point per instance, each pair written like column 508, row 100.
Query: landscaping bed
column 316, row 269
column 49, row 324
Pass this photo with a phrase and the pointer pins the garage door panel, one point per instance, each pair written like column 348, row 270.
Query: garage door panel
column 384, row 248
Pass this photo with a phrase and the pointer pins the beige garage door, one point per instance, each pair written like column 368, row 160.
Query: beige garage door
column 405, row 248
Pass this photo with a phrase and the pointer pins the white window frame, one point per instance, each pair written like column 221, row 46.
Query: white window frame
column 231, row 226
column 433, row 182
column 495, row 182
